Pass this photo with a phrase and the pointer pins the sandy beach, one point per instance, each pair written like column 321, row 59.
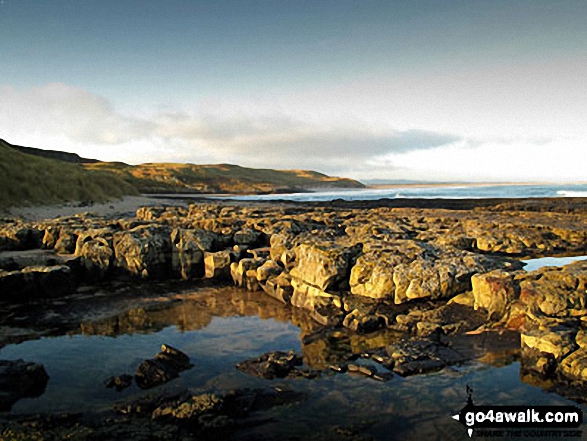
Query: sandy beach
column 120, row 207
column 129, row 204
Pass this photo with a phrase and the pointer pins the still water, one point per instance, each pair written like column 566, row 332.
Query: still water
column 219, row 327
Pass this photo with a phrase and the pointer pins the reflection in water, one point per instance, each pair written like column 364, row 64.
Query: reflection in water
column 219, row 327
column 189, row 312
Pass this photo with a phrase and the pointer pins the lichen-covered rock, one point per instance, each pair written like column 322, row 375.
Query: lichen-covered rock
column 149, row 213
column 324, row 264
column 105, row 233
column 50, row 236
column 574, row 366
column 515, row 238
column 556, row 291
column 188, row 248
column 372, row 275
column 143, row 251
column 239, row 270
column 249, row 237
column 558, row 341
column 493, row 291
column 66, row 243
column 97, row 257
column 270, row 269
column 217, row 265
column 282, row 248
column 440, row 278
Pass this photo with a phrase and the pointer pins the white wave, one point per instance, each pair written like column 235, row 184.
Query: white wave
column 572, row 194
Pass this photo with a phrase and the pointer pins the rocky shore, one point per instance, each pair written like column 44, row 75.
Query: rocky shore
column 440, row 275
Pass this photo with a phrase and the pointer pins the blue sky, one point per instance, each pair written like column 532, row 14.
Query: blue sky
column 443, row 90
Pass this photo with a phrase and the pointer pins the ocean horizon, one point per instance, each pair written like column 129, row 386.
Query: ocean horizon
column 431, row 191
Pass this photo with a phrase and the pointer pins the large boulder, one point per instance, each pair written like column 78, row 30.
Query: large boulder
column 84, row 236
column 217, row 265
column 556, row 291
column 97, row 257
column 20, row 379
column 493, row 291
column 143, row 251
column 372, row 274
column 12, row 286
column 442, row 278
column 20, row 237
column 404, row 270
column 324, row 264
column 164, row 367
column 188, row 248
column 49, row 281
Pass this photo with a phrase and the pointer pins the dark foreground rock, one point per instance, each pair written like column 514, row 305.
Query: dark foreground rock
column 276, row 365
column 120, row 382
column 180, row 416
column 20, row 379
column 164, row 367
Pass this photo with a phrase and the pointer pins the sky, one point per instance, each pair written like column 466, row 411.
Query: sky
column 433, row 90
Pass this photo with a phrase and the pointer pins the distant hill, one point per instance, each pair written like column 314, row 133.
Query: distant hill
column 27, row 179
column 222, row 178
column 35, row 176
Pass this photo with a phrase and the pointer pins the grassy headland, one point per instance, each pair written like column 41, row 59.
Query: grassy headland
column 30, row 176
column 27, row 179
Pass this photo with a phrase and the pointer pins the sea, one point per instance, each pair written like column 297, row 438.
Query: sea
column 433, row 191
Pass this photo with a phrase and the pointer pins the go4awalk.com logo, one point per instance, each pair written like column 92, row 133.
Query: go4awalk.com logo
column 526, row 421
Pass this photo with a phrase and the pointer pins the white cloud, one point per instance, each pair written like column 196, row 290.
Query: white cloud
column 61, row 117
column 59, row 109
column 514, row 159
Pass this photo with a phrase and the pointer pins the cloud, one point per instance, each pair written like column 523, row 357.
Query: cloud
column 80, row 120
column 60, row 109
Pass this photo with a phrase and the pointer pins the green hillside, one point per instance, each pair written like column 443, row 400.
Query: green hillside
column 31, row 176
column 222, row 178
column 27, row 179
